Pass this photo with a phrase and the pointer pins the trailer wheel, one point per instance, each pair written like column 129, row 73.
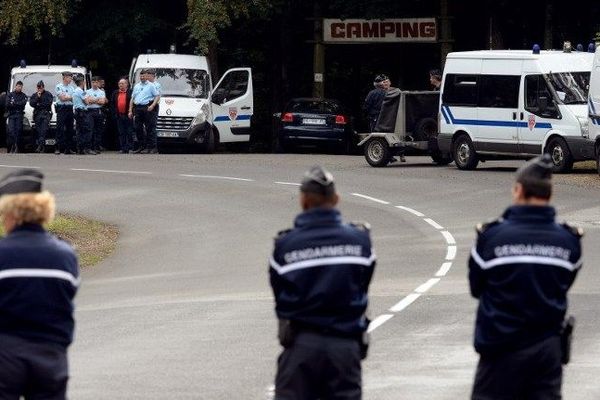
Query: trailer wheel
column 562, row 159
column 377, row 152
column 464, row 153
column 441, row 159
column 426, row 129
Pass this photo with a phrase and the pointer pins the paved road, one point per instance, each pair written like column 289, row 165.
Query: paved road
column 183, row 309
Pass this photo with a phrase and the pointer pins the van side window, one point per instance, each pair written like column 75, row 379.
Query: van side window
column 233, row 86
column 538, row 99
column 499, row 91
column 460, row 90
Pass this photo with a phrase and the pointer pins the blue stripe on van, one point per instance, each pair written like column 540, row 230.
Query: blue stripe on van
column 502, row 124
column 222, row 118
column 445, row 115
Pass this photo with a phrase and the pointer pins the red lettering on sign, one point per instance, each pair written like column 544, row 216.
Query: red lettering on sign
column 427, row 30
column 338, row 30
column 409, row 29
column 353, row 30
column 387, row 27
column 370, row 30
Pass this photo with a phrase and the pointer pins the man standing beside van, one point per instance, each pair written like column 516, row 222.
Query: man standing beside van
column 15, row 107
column 41, row 102
column 145, row 97
column 374, row 100
column 64, row 115
column 521, row 269
column 96, row 100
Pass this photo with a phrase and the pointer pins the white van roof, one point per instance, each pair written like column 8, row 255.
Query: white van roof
column 185, row 61
column 547, row 61
column 49, row 68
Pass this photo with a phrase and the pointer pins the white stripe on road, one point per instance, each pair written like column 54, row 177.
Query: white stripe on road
column 110, row 171
column 433, row 223
column 449, row 238
column 405, row 302
column 444, row 269
column 370, row 198
column 451, row 254
column 17, row 166
column 427, row 285
column 410, row 210
column 288, row 183
column 229, row 178
column 377, row 322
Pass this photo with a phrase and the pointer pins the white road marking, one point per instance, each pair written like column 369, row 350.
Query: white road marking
column 17, row 166
column 229, row 178
column 449, row 238
column 427, row 285
column 451, row 254
column 370, row 198
column 433, row 223
column 287, row 183
column 380, row 320
column 444, row 269
column 410, row 210
column 110, row 171
column 405, row 302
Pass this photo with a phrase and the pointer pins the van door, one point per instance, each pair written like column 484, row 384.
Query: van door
column 233, row 105
column 539, row 113
column 497, row 106
column 594, row 99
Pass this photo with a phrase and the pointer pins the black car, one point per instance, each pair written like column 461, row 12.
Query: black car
column 323, row 123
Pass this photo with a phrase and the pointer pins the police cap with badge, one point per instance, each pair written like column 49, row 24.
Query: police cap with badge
column 22, row 181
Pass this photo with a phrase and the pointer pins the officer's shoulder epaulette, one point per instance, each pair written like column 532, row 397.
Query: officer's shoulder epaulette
column 484, row 226
column 282, row 233
column 575, row 230
column 361, row 226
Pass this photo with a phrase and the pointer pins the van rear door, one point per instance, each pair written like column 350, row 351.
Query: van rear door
column 233, row 105
column 594, row 98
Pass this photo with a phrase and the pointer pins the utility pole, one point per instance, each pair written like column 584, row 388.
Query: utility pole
column 319, row 53
column 445, row 36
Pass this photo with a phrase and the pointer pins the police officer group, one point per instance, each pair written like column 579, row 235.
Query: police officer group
column 520, row 270
column 81, row 114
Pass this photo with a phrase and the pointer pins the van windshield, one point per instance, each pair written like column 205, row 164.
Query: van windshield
column 570, row 87
column 30, row 80
column 178, row 82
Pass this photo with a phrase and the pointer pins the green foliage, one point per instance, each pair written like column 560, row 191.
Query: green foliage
column 207, row 17
column 39, row 16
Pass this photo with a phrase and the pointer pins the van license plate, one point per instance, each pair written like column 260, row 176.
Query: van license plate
column 167, row 134
column 50, row 142
column 313, row 121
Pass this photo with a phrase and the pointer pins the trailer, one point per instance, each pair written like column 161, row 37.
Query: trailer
column 408, row 121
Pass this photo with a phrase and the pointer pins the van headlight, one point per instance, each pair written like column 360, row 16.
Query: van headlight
column 199, row 119
column 585, row 127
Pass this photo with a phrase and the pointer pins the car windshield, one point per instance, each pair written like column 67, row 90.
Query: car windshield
column 570, row 87
column 30, row 80
column 181, row 82
column 315, row 107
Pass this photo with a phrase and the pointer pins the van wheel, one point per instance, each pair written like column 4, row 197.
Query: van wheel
column 377, row 152
column 561, row 155
column 210, row 145
column 464, row 153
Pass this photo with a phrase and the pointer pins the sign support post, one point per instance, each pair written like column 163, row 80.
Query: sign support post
column 319, row 55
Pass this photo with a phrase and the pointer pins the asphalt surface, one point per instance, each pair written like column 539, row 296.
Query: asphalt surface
column 183, row 309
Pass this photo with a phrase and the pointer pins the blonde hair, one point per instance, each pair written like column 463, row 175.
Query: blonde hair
column 28, row 208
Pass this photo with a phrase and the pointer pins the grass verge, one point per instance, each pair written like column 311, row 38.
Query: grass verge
column 93, row 240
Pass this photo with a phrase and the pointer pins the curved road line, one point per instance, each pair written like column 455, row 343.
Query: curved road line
column 423, row 288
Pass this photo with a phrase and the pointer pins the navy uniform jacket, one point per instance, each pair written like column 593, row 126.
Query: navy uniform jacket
column 520, row 270
column 320, row 273
column 42, row 102
column 39, row 276
column 15, row 102
column 373, row 102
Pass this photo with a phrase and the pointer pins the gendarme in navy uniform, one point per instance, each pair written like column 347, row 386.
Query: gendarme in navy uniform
column 39, row 276
column 520, row 269
column 320, row 273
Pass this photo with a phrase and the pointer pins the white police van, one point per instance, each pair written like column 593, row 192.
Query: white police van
column 594, row 106
column 513, row 104
column 191, row 111
column 30, row 75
